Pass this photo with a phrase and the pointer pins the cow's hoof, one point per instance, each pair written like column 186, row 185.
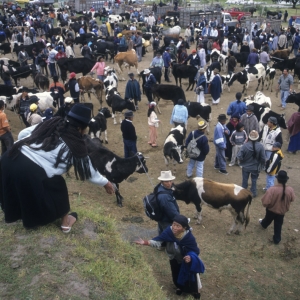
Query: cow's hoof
column 237, row 232
column 106, row 142
column 229, row 232
column 115, row 123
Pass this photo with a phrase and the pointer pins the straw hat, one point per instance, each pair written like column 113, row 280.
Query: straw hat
column 166, row 176
column 202, row 125
column 253, row 135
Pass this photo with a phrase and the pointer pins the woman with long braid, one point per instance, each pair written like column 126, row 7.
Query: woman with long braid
column 252, row 160
column 277, row 201
column 32, row 186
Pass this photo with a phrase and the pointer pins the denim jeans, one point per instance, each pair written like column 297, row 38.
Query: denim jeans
column 7, row 141
column 254, row 176
column 129, row 148
column 101, row 77
column 283, row 96
column 148, row 93
column 270, row 181
column 278, row 221
column 52, row 69
column 199, row 168
column 220, row 160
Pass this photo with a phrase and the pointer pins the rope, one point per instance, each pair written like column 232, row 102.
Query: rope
column 146, row 172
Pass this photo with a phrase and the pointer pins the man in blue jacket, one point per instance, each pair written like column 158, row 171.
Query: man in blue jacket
column 150, row 81
column 202, row 145
column 167, row 63
column 166, row 200
column 237, row 107
column 220, row 143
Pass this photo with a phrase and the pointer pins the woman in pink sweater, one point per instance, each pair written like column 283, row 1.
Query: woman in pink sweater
column 99, row 67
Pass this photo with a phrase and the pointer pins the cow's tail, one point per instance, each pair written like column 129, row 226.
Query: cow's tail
column 247, row 216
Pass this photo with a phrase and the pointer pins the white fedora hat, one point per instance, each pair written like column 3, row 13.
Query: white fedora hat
column 147, row 71
column 166, row 176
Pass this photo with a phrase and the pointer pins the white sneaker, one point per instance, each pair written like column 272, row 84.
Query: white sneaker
column 230, row 165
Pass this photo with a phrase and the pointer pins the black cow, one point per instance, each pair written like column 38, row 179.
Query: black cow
column 147, row 36
column 168, row 92
column 8, row 91
column 287, row 63
column 103, row 48
column 9, row 62
column 168, row 39
column 54, row 31
column 5, row 48
column 184, row 71
column 20, row 72
column 77, row 65
column 38, row 46
column 98, row 124
column 294, row 98
column 174, row 145
column 119, row 168
column 156, row 71
column 118, row 104
column 241, row 58
column 272, row 14
column 197, row 110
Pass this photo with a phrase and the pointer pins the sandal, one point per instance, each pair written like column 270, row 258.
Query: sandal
column 67, row 229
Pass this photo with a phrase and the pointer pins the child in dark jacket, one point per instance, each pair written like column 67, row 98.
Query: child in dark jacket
column 238, row 139
column 273, row 165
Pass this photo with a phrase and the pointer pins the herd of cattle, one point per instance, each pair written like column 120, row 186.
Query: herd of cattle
column 237, row 198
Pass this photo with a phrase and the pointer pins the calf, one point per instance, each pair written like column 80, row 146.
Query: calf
column 98, row 124
column 113, row 167
column 197, row 110
column 156, row 71
column 294, row 98
column 219, row 196
column 259, row 98
column 173, row 146
column 91, row 85
column 118, row 104
column 244, row 77
column 184, row 71
column 270, row 75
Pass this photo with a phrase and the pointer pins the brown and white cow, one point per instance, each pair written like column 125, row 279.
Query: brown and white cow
column 129, row 58
column 91, row 85
column 218, row 196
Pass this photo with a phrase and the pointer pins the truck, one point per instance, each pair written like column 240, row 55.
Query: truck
column 236, row 12
column 222, row 17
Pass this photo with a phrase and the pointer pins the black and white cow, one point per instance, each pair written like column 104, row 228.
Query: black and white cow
column 216, row 195
column 118, row 104
column 20, row 72
column 111, row 79
column 113, row 167
column 264, row 113
column 174, row 145
column 270, row 75
column 294, row 98
column 98, row 124
column 197, row 110
column 244, row 77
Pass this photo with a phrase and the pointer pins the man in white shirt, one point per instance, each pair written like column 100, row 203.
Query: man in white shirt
column 151, row 20
column 132, row 27
column 214, row 32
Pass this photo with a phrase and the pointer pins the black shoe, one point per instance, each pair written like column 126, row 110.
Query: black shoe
column 178, row 292
column 197, row 296
column 216, row 168
column 224, row 172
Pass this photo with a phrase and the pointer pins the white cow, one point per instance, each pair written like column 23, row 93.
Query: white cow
column 114, row 18
column 46, row 100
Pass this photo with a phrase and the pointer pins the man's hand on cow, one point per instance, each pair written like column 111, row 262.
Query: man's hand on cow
column 109, row 188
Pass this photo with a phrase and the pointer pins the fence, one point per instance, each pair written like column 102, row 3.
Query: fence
column 188, row 16
column 274, row 24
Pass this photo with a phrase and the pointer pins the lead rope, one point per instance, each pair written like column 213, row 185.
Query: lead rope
column 145, row 171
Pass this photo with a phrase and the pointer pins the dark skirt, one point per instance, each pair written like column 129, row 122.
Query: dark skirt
column 190, row 286
column 294, row 144
column 28, row 194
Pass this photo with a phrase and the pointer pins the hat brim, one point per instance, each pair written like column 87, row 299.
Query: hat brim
column 252, row 139
column 166, row 179
column 79, row 118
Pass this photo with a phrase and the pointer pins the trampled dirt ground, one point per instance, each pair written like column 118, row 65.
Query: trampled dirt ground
column 245, row 266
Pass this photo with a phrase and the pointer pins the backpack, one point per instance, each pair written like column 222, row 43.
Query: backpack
column 152, row 207
column 209, row 45
column 192, row 150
